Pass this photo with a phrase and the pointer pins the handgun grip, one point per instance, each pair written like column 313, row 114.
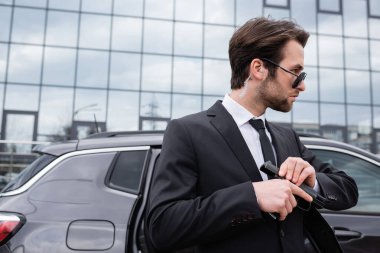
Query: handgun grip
column 272, row 170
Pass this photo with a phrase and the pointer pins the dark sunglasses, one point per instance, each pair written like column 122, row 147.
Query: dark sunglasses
column 299, row 78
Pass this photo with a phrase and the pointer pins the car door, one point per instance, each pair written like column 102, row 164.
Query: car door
column 357, row 228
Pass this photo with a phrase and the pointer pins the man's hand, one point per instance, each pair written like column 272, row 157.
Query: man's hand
column 298, row 171
column 277, row 196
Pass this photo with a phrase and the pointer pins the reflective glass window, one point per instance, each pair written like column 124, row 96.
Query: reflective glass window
column 128, row 7
column 308, row 22
column 95, row 31
column 100, row 6
column 276, row 116
column 153, row 124
column 28, row 25
column 279, row 3
column 217, row 75
column 306, row 113
column 5, row 21
column 187, row 75
column 125, row 71
column 333, row 114
column 209, row 101
column 155, row 105
column 159, row 9
column 311, row 82
column 1, row 104
column 374, row 7
column 374, row 28
column 19, row 127
column 376, row 118
column 59, row 66
column 56, row 110
column 158, row 36
column 9, row 2
column 277, row 13
column 188, row 39
column 329, row 5
column 25, row 64
column 219, row 11
column 189, row 104
column 90, row 103
column 34, row 3
column 330, row 24
column 311, row 51
column 333, row 132
column 182, row 12
column 3, row 60
column 62, row 28
column 375, row 54
column 376, row 88
column 64, row 5
column 156, row 73
column 27, row 102
column 359, row 126
column 126, row 34
column 358, row 87
column 355, row 18
column 92, row 70
column 123, row 111
column 330, row 51
column 247, row 9
column 331, row 82
column 356, row 53
column 216, row 41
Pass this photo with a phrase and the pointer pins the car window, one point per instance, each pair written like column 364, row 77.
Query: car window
column 126, row 172
column 29, row 172
column 366, row 175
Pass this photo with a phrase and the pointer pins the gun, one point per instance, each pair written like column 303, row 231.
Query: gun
column 318, row 200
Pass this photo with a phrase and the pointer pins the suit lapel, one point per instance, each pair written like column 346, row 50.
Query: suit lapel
column 226, row 126
column 278, row 142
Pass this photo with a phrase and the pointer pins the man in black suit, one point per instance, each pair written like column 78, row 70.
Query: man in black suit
column 207, row 191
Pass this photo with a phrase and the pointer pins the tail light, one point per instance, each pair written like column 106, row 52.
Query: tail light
column 10, row 223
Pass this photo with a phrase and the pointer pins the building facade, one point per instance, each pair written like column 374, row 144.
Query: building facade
column 67, row 67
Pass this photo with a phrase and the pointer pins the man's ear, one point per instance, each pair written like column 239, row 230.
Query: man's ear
column 257, row 69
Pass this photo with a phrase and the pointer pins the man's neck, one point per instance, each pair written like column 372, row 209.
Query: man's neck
column 247, row 101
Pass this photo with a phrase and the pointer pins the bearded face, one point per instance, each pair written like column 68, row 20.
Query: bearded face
column 276, row 96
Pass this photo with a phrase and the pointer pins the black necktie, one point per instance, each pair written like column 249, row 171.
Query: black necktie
column 266, row 146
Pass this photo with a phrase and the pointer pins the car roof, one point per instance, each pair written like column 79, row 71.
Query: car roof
column 103, row 140
column 154, row 138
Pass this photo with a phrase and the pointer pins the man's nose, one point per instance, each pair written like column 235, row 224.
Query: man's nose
column 301, row 86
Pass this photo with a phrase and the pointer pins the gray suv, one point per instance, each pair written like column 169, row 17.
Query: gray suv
column 89, row 196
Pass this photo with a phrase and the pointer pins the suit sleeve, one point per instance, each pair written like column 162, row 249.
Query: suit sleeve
column 336, row 186
column 177, row 215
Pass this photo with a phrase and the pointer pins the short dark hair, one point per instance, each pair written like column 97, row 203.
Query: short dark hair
column 261, row 38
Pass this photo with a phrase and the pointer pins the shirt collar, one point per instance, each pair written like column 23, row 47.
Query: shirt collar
column 238, row 112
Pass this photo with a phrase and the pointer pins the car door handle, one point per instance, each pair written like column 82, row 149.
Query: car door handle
column 345, row 234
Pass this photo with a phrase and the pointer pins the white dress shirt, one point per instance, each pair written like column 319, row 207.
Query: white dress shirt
column 241, row 116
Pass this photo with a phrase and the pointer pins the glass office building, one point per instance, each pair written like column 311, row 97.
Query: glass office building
column 69, row 65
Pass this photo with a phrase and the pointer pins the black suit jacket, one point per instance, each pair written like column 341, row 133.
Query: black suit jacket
column 202, row 195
